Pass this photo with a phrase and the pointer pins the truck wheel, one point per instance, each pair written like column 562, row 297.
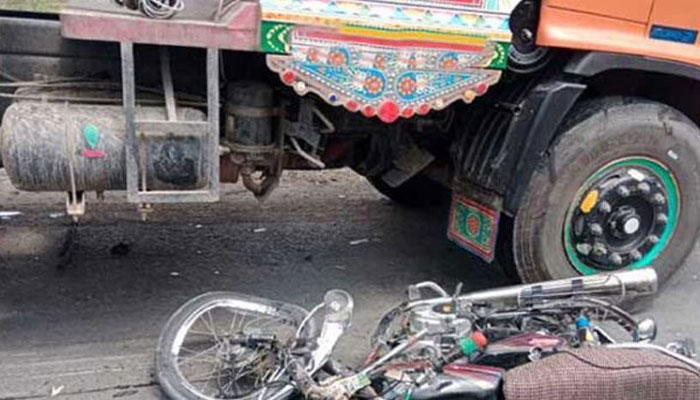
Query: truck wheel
column 418, row 191
column 619, row 189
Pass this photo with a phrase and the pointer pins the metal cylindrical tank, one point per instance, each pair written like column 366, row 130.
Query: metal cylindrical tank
column 249, row 111
column 43, row 144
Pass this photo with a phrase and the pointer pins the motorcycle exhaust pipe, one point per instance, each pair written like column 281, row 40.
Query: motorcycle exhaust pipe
column 614, row 287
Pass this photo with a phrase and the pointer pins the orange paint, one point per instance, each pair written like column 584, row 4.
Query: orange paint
column 631, row 10
column 619, row 26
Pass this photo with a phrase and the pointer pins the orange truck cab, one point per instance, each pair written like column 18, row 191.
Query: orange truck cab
column 628, row 27
column 564, row 132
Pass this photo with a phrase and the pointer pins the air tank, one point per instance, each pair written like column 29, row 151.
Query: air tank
column 47, row 146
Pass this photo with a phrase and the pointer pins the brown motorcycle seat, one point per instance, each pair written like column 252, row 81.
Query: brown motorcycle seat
column 604, row 374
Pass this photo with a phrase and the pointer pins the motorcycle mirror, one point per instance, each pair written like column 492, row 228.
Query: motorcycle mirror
column 646, row 330
column 339, row 305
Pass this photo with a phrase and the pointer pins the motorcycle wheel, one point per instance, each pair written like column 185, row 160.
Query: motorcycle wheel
column 204, row 351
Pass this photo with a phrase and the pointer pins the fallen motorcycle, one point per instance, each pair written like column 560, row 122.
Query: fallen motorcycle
column 554, row 340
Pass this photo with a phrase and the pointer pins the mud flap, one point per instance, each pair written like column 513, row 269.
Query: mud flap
column 473, row 226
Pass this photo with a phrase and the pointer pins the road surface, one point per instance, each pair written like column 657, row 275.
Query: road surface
column 85, row 327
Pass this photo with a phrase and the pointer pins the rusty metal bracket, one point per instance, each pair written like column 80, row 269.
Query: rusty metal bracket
column 139, row 131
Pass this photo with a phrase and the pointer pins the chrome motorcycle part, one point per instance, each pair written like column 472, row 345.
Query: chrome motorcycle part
column 663, row 350
column 619, row 286
column 414, row 291
column 549, row 307
column 394, row 352
column 685, row 347
column 443, row 325
column 558, row 318
column 439, row 319
column 647, row 330
column 338, row 305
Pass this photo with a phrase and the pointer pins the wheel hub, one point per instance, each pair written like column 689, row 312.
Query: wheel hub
column 619, row 218
column 625, row 222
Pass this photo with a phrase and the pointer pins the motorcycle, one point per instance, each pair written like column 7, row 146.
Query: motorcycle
column 550, row 340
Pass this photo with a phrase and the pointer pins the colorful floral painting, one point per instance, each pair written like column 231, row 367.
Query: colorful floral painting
column 388, row 59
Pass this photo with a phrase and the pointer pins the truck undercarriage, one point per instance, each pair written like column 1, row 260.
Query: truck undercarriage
column 167, row 108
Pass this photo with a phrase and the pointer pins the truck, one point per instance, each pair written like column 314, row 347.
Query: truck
column 562, row 134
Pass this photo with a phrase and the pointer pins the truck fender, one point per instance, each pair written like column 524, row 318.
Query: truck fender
column 589, row 64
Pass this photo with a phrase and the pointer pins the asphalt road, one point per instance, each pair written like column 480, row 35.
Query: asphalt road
column 85, row 327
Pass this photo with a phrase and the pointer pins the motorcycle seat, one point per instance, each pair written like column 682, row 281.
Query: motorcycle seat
column 604, row 374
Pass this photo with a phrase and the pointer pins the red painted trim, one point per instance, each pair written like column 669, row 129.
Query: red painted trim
column 425, row 44
column 94, row 153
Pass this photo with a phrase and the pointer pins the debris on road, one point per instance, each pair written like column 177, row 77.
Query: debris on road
column 55, row 391
column 259, row 230
column 57, row 215
column 120, row 249
column 358, row 241
column 198, row 226
column 9, row 214
column 175, row 274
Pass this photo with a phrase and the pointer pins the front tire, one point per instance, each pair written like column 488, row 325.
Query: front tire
column 199, row 347
column 618, row 189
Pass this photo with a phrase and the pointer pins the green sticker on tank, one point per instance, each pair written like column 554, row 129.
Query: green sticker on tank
column 92, row 135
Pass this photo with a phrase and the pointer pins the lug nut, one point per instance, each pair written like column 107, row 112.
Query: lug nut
column 596, row 229
column 653, row 239
column 636, row 255
column 584, row 248
column 616, row 259
column 600, row 250
column 659, row 199
column 623, row 191
column 644, row 187
column 604, row 207
column 662, row 218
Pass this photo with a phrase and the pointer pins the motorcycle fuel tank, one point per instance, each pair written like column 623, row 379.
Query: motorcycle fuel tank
column 463, row 382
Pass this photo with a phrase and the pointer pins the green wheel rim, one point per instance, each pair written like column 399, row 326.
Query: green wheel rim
column 672, row 190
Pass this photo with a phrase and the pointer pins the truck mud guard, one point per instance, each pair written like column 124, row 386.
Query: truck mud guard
column 593, row 63
column 510, row 139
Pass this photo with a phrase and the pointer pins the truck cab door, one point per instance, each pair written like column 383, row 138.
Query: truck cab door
column 675, row 21
column 630, row 10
